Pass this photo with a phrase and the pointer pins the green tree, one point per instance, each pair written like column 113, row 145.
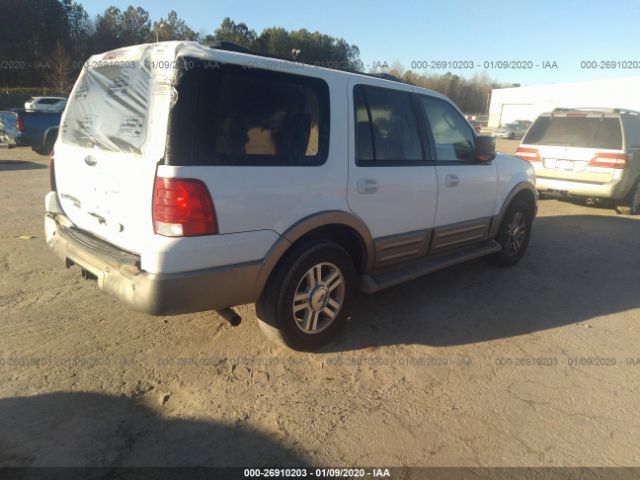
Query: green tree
column 171, row 28
column 136, row 25
column 231, row 31
column 302, row 45
column 108, row 30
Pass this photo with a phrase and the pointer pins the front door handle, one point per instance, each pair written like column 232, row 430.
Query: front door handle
column 451, row 180
column 367, row 186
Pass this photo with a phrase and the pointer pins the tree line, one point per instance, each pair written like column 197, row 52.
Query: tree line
column 44, row 43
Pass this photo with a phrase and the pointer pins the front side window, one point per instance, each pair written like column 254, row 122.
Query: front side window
column 247, row 116
column 386, row 129
column 454, row 140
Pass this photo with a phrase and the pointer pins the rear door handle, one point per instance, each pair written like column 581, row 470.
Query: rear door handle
column 367, row 186
column 451, row 180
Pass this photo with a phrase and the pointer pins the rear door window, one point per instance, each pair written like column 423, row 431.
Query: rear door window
column 249, row 116
column 580, row 131
column 386, row 128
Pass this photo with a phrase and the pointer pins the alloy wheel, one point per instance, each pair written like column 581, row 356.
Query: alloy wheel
column 318, row 298
column 516, row 233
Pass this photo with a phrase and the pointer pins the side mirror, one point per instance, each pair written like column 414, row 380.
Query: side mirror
column 485, row 150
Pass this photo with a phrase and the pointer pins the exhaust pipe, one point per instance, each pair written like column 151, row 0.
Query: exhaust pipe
column 230, row 316
column 87, row 275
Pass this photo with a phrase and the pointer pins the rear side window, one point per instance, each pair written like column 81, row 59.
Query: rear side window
column 247, row 116
column 386, row 128
column 586, row 132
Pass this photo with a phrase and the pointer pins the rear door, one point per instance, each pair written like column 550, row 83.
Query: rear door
column 392, row 182
column 467, row 189
column 111, row 137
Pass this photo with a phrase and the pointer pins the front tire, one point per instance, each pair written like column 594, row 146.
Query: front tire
column 309, row 297
column 514, row 234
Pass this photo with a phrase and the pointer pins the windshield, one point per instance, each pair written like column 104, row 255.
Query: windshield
column 585, row 132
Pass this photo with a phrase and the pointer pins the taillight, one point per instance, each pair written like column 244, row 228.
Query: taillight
column 528, row 154
column 183, row 208
column 52, row 174
column 609, row 160
column 19, row 123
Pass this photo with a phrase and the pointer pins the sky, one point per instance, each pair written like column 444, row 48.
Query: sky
column 559, row 35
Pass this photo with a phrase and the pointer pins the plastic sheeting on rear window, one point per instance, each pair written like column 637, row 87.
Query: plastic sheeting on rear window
column 109, row 107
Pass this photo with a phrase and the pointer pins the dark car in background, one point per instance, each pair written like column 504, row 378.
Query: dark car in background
column 515, row 129
column 23, row 128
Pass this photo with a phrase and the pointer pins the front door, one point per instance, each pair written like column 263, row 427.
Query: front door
column 468, row 189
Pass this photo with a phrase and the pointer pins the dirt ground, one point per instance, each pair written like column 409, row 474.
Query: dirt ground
column 536, row 365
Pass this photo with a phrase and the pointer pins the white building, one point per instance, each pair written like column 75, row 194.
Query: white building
column 526, row 103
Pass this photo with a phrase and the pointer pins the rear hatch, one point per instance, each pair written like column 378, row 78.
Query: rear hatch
column 575, row 145
column 112, row 135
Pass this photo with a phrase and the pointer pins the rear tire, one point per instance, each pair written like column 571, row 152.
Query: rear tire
column 514, row 234
column 308, row 299
column 631, row 206
column 47, row 146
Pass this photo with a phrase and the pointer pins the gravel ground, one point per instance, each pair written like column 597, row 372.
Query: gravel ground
column 536, row 365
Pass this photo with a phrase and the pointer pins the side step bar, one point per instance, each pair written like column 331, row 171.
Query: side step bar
column 374, row 282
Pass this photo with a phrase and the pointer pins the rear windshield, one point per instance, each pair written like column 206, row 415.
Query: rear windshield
column 586, row 132
column 233, row 115
column 108, row 109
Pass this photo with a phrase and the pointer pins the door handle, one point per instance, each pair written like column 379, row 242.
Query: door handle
column 451, row 180
column 367, row 186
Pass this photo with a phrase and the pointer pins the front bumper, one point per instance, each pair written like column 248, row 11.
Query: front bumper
column 154, row 294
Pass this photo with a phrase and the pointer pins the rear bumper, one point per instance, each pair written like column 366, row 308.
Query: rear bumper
column 616, row 190
column 155, row 294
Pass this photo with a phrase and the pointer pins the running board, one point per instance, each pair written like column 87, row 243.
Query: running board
column 374, row 282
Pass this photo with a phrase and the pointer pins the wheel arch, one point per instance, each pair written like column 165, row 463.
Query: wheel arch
column 346, row 229
column 522, row 191
column 51, row 131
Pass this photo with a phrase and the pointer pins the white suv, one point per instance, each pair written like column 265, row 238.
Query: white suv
column 187, row 178
column 45, row 104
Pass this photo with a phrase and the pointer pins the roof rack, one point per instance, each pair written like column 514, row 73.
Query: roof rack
column 597, row 109
column 230, row 46
column 234, row 47
column 383, row 76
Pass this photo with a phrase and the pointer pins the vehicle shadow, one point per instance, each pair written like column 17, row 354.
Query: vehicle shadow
column 95, row 430
column 577, row 268
column 9, row 165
